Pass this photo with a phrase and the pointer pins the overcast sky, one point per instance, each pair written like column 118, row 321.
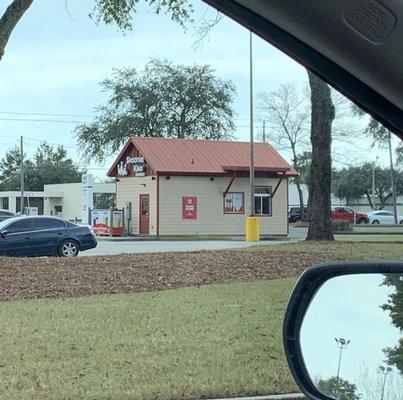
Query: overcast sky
column 56, row 59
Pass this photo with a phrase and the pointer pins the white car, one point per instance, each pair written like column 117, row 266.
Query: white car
column 383, row 217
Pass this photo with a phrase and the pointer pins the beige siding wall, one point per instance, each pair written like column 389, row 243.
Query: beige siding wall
column 130, row 189
column 211, row 218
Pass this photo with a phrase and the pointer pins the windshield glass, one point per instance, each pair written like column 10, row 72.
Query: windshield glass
column 187, row 172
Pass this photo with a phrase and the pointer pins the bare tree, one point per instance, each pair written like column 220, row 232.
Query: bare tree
column 371, row 384
column 286, row 112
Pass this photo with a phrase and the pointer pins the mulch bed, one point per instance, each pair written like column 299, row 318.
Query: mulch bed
column 31, row 278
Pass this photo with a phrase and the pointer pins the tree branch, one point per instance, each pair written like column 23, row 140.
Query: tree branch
column 9, row 20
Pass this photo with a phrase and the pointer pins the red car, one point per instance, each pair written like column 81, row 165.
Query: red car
column 348, row 214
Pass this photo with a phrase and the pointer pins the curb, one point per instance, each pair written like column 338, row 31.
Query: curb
column 292, row 396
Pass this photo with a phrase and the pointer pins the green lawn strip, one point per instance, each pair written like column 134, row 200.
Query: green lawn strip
column 209, row 341
column 370, row 238
column 342, row 249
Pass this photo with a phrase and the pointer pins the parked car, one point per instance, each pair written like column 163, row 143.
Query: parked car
column 44, row 236
column 341, row 213
column 294, row 215
column 5, row 214
column 383, row 217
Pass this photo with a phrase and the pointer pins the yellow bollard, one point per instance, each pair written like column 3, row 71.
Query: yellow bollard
column 252, row 229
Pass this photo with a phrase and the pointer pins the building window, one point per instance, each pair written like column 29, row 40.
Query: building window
column 263, row 204
column 234, row 203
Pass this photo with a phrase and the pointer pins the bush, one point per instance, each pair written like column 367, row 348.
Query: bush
column 342, row 226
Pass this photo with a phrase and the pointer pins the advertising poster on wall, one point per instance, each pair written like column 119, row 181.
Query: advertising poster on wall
column 101, row 222
column 234, row 203
column 189, row 207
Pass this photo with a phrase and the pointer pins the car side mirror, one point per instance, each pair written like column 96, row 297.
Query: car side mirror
column 4, row 233
column 343, row 331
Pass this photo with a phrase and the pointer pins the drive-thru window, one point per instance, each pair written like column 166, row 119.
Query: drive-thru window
column 199, row 187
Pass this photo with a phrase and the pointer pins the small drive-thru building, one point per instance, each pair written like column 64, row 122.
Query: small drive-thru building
column 200, row 187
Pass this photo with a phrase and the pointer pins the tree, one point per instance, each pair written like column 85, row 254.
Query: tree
column 164, row 100
column 322, row 116
column 303, row 166
column 395, row 308
column 49, row 165
column 379, row 133
column 287, row 114
column 338, row 388
column 110, row 12
column 354, row 182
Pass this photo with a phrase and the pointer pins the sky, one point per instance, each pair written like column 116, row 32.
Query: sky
column 57, row 56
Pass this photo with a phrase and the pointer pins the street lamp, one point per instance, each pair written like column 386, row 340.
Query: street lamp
column 342, row 345
column 385, row 371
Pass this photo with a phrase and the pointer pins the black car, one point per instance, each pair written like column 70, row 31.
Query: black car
column 44, row 236
column 294, row 214
column 5, row 214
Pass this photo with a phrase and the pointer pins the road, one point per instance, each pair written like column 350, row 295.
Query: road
column 106, row 247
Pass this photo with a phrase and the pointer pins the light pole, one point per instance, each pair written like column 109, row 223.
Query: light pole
column 385, row 371
column 252, row 149
column 342, row 345
column 22, row 202
column 373, row 184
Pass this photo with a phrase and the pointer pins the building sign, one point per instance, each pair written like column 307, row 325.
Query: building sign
column 87, row 181
column 101, row 222
column 136, row 164
column 189, row 207
column 234, row 203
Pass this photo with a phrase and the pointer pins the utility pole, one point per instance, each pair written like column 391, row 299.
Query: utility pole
column 22, row 208
column 252, row 149
column 392, row 177
column 264, row 131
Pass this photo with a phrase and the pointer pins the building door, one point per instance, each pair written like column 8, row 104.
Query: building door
column 144, row 214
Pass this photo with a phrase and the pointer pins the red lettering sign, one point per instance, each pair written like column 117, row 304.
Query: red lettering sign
column 189, row 207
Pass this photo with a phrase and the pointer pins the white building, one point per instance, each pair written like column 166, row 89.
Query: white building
column 64, row 200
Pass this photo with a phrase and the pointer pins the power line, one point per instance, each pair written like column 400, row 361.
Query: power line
column 47, row 114
column 42, row 120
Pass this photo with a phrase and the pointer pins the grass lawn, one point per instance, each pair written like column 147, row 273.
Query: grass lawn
column 215, row 340
column 371, row 238
column 341, row 249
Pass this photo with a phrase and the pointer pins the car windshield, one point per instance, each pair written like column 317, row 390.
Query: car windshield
column 176, row 174
column 3, row 224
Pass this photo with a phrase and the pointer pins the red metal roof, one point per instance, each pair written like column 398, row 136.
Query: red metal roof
column 199, row 157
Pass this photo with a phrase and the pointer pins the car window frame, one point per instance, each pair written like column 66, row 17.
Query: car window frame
column 48, row 219
column 7, row 228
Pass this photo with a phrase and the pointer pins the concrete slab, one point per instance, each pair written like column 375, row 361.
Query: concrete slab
column 114, row 248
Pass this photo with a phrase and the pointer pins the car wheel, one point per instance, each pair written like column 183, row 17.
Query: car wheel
column 401, row 222
column 362, row 221
column 376, row 222
column 68, row 248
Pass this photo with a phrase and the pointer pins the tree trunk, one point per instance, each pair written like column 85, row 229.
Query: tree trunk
column 9, row 20
column 370, row 200
column 301, row 196
column 323, row 114
column 298, row 185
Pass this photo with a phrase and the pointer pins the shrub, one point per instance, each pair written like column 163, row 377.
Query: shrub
column 342, row 226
